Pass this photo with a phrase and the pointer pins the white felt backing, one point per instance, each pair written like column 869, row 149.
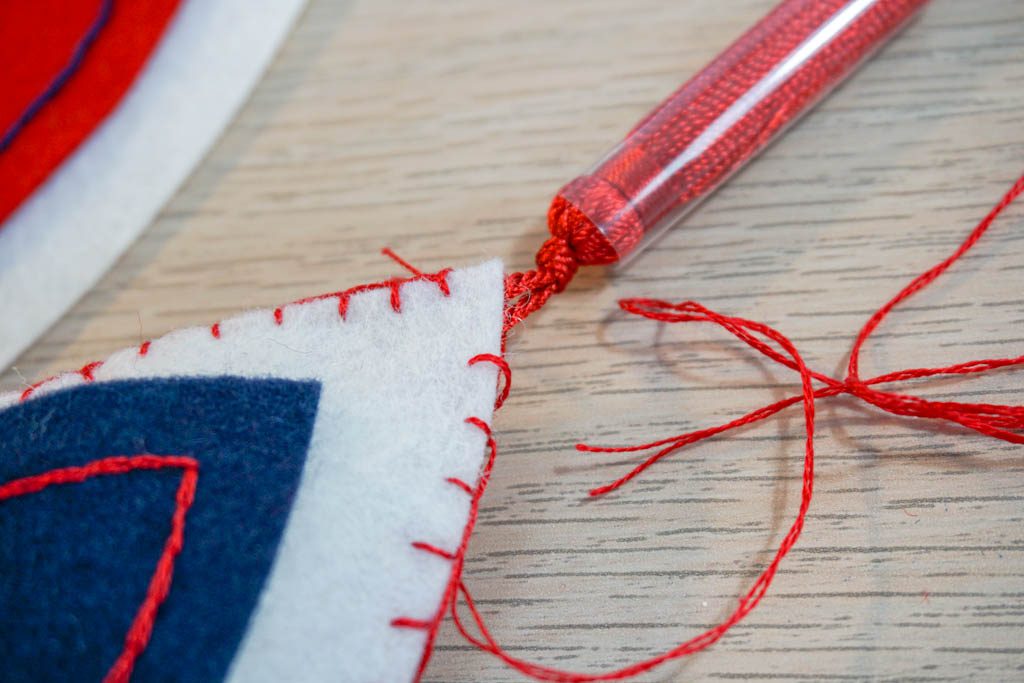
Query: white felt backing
column 390, row 428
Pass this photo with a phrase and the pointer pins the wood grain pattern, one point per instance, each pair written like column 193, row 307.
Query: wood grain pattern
column 442, row 129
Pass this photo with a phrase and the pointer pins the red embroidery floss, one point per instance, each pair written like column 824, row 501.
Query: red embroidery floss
column 673, row 159
column 1002, row 422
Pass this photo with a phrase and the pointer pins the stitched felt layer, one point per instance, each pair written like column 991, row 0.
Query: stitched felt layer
column 77, row 559
column 390, row 434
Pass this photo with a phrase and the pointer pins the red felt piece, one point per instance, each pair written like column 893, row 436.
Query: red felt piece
column 37, row 39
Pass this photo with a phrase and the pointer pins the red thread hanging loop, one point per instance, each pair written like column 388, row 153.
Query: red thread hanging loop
column 997, row 421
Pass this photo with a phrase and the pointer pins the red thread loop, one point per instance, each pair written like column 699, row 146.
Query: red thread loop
column 998, row 421
column 506, row 373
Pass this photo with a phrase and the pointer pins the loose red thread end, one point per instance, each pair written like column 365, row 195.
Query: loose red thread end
column 997, row 421
column 279, row 316
column 401, row 261
column 1003, row 422
column 215, row 330
column 405, row 622
column 461, row 484
column 144, row 348
column 433, row 549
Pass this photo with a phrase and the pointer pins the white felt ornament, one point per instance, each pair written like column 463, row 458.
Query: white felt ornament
column 356, row 589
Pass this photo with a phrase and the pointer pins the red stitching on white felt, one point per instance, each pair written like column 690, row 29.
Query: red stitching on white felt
column 86, row 372
column 405, row 622
column 458, row 558
column 433, row 549
column 395, row 284
column 461, row 484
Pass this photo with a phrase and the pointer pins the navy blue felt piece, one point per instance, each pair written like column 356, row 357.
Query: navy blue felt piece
column 76, row 559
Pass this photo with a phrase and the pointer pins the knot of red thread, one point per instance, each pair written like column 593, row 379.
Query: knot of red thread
column 575, row 241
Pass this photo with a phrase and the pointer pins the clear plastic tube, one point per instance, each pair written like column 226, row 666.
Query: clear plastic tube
column 709, row 128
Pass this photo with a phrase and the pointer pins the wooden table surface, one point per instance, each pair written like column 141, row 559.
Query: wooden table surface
column 442, row 129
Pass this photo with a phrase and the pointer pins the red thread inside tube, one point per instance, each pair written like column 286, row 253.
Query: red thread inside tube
column 706, row 130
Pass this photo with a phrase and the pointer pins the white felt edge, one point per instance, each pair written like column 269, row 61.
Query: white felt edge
column 390, row 429
column 59, row 242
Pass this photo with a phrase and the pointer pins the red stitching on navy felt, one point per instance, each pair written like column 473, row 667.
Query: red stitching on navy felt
column 506, row 372
column 159, row 585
